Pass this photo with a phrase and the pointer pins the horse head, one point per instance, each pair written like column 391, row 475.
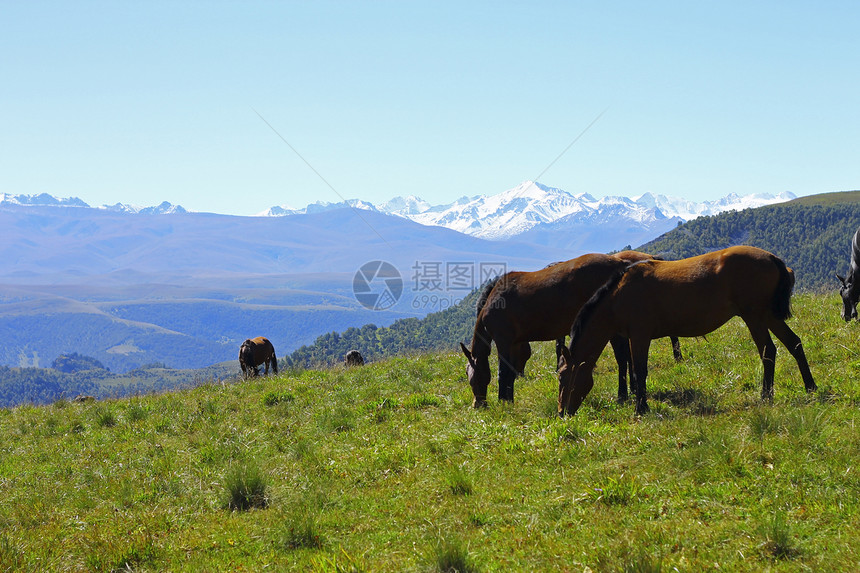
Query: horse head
column 850, row 295
column 565, row 378
column 478, row 373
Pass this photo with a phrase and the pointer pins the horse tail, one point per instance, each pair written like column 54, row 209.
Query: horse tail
column 274, row 361
column 784, row 288
column 588, row 309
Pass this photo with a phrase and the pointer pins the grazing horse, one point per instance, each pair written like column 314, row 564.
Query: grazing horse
column 690, row 297
column 519, row 307
column 353, row 358
column 850, row 289
column 256, row 351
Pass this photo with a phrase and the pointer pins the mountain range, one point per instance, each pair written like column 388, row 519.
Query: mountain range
column 134, row 285
column 532, row 207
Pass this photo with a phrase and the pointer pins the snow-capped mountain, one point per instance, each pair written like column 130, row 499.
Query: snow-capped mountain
column 165, row 208
column 45, row 200
column 42, row 199
column 317, row 207
column 532, row 205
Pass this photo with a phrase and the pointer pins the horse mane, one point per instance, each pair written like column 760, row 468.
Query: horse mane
column 784, row 288
column 587, row 310
column 485, row 294
column 854, row 261
column 480, row 336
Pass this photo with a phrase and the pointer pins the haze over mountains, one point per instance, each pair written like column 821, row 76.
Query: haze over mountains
column 130, row 285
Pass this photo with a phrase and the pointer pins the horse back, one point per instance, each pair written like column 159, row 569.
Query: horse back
column 694, row 296
column 541, row 305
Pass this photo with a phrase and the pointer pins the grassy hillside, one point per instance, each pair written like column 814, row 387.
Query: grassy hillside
column 386, row 468
column 824, row 199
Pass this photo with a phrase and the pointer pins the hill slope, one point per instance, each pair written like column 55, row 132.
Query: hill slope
column 387, row 468
column 813, row 239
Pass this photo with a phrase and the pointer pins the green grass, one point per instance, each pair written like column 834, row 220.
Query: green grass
column 387, row 468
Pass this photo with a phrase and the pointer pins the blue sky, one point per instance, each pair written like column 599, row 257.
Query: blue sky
column 141, row 102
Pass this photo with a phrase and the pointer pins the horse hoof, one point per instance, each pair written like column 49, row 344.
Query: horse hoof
column 478, row 404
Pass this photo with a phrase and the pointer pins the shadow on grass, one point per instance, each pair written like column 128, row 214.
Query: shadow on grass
column 700, row 403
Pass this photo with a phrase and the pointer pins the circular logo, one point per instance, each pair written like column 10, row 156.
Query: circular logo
column 377, row 285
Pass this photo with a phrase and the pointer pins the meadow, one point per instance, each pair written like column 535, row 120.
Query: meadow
column 387, row 468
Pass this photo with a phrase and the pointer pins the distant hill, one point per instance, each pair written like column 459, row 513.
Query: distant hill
column 828, row 199
column 438, row 331
column 811, row 234
column 47, row 385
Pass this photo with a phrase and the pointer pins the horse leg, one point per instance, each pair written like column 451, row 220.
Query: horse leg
column 520, row 354
column 507, row 371
column 621, row 348
column 792, row 342
column 767, row 352
column 559, row 344
column 676, row 348
column 639, row 357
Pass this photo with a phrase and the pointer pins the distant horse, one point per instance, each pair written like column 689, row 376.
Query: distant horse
column 354, row 358
column 256, row 351
column 690, row 297
column 519, row 307
column 850, row 289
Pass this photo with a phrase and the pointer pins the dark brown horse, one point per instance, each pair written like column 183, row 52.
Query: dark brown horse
column 256, row 351
column 850, row 289
column 520, row 307
column 690, row 297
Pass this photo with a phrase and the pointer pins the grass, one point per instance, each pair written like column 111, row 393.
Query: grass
column 387, row 468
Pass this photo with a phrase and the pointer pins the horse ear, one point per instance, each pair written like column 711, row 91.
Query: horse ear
column 467, row 353
column 565, row 357
column 841, row 278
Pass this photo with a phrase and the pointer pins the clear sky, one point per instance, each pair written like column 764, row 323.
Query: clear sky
column 141, row 102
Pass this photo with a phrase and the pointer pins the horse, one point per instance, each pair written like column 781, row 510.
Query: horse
column 256, row 351
column 850, row 289
column 690, row 297
column 519, row 307
column 353, row 358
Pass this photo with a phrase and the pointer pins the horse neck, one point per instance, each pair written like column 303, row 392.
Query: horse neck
column 593, row 333
column 481, row 339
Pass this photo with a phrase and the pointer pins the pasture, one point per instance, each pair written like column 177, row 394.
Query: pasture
column 388, row 468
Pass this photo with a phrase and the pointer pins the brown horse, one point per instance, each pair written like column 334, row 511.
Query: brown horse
column 519, row 307
column 690, row 297
column 256, row 351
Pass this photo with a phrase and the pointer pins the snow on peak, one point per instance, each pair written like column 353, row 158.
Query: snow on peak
column 531, row 204
column 42, row 200
column 405, row 206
